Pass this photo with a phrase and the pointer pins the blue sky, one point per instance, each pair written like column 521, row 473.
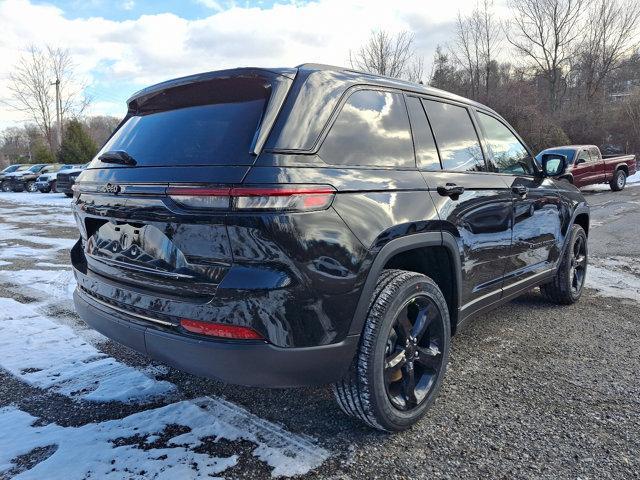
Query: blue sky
column 121, row 46
column 132, row 9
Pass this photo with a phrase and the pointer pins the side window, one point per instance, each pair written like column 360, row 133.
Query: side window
column 595, row 154
column 583, row 157
column 425, row 145
column 507, row 152
column 456, row 137
column 372, row 129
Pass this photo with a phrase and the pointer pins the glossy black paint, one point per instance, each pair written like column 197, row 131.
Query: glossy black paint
column 304, row 279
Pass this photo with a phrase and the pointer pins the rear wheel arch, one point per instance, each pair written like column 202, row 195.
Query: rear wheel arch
column 434, row 254
column 582, row 219
column 624, row 167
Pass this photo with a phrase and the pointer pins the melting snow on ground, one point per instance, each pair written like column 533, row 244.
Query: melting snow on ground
column 617, row 277
column 143, row 446
column 48, row 355
column 40, row 200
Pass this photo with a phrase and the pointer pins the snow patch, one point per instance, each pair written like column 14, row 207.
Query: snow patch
column 42, row 200
column 55, row 285
column 48, row 355
column 104, row 457
column 35, row 236
column 635, row 178
column 617, row 277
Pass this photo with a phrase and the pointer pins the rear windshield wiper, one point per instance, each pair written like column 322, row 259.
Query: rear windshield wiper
column 117, row 156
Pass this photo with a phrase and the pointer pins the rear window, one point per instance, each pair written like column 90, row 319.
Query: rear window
column 372, row 129
column 213, row 123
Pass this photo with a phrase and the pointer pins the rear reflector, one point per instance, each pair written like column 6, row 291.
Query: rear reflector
column 220, row 330
column 263, row 198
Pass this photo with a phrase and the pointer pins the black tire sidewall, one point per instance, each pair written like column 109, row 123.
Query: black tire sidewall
column 575, row 232
column 392, row 418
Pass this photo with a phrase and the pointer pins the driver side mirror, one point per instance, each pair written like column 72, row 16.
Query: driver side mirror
column 554, row 164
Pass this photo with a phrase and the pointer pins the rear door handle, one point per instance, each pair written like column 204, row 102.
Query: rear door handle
column 519, row 190
column 451, row 190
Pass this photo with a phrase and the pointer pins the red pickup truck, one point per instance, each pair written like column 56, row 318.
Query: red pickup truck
column 587, row 166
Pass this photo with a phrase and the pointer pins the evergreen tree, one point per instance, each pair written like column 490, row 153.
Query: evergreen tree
column 77, row 146
column 42, row 154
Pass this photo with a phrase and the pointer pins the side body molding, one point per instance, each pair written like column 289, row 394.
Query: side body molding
column 394, row 247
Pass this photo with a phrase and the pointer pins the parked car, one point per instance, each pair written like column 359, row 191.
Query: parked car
column 66, row 179
column 209, row 234
column 24, row 178
column 47, row 182
column 4, row 184
column 587, row 166
column 9, row 169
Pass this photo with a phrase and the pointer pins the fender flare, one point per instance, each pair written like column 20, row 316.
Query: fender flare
column 582, row 208
column 394, row 247
column 621, row 166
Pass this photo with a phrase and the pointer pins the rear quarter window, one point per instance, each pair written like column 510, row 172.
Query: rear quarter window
column 372, row 129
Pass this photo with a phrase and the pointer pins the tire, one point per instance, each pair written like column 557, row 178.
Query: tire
column 568, row 283
column 54, row 187
column 375, row 387
column 44, row 190
column 618, row 181
column 30, row 187
column 5, row 187
column 68, row 194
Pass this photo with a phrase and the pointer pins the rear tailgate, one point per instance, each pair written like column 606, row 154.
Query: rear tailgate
column 198, row 132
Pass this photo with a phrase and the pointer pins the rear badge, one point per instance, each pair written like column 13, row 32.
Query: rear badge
column 111, row 188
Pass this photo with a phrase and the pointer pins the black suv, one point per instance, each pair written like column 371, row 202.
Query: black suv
column 316, row 225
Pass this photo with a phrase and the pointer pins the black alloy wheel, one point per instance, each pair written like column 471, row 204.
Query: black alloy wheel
column 568, row 282
column 578, row 269
column 402, row 357
column 413, row 357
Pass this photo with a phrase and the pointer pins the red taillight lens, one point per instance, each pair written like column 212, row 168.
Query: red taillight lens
column 271, row 198
column 220, row 330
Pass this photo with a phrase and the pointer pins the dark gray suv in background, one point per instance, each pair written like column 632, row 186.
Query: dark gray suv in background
column 316, row 225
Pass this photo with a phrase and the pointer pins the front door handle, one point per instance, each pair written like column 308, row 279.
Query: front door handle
column 519, row 190
column 451, row 190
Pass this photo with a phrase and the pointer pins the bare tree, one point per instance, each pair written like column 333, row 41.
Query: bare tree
column 610, row 35
column 545, row 32
column 390, row 55
column 32, row 82
column 477, row 38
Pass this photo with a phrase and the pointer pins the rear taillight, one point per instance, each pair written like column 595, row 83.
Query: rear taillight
column 220, row 330
column 262, row 198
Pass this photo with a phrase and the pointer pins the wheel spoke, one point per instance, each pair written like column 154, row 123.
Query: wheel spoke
column 405, row 325
column 429, row 357
column 423, row 320
column 395, row 361
column 581, row 261
column 409, row 385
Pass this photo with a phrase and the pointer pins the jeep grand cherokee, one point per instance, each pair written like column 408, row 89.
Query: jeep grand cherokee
column 316, row 225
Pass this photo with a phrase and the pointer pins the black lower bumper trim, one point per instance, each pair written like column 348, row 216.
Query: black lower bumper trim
column 235, row 362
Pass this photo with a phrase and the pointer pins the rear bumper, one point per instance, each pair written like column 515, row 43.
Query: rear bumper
column 237, row 362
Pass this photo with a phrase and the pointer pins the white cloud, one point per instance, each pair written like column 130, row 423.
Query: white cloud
column 128, row 5
column 212, row 4
column 157, row 47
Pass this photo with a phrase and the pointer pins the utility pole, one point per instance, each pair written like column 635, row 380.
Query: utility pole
column 58, row 113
